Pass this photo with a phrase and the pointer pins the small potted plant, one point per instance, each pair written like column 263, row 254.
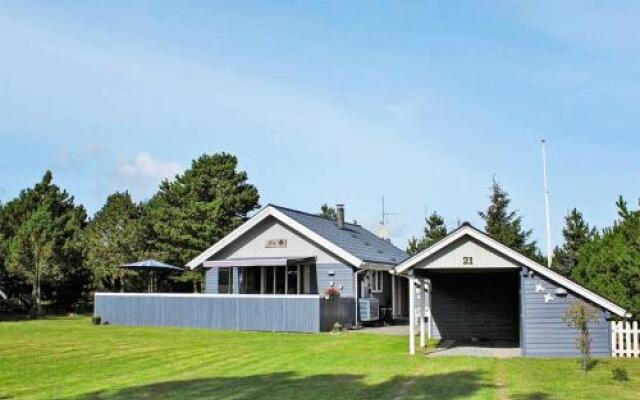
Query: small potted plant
column 331, row 293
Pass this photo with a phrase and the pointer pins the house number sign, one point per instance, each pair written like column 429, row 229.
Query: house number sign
column 276, row 244
column 467, row 260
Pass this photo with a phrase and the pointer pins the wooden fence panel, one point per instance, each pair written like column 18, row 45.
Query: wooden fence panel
column 625, row 339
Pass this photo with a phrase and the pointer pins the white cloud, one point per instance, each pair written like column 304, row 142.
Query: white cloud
column 144, row 172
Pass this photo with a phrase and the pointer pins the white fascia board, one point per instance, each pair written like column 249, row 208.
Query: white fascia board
column 523, row 260
column 416, row 259
column 225, row 241
column 285, row 219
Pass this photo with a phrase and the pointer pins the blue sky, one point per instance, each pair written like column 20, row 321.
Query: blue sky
column 422, row 102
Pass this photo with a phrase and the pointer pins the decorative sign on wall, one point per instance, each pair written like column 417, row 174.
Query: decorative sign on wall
column 276, row 244
column 548, row 297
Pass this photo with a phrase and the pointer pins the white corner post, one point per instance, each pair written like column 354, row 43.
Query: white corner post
column 356, row 286
column 423, row 305
column 412, row 316
column 393, row 296
column 429, row 314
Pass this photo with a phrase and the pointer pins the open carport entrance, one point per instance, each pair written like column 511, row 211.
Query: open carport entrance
column 475, row 291
column 480, row 307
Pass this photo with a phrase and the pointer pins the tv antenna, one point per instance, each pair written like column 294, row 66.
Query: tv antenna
column 383, row 231
column 385, row 214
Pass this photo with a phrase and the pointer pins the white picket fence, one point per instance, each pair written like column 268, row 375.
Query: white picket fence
column 625, row 339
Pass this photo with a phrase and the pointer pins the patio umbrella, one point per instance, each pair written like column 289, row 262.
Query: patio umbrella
column 152, row 267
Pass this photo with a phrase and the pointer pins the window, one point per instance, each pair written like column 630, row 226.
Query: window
column 281, row 274
column 377, row 281
column 269, row 280
column 292, row 279
column 250, row 280
column 225, row 280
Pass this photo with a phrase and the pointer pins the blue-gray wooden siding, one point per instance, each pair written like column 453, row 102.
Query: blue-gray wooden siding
column 483, row 305
column 335, row 310
column 288, row 314
column 544, row 333
column 211, row 280
column 282, row 313
column 342, row 278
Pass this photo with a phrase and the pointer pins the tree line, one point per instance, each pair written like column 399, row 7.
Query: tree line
column 606, row 261
column 53, row 254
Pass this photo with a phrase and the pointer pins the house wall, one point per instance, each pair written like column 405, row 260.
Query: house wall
column 544, row 333
column 329, row 268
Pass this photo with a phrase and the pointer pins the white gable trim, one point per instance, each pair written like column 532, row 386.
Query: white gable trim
column 523, row 260
column 271, row 211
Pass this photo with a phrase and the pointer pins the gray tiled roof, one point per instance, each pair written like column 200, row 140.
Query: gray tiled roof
column 354, row 239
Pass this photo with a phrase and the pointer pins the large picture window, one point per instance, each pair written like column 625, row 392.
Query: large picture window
column 290, row 279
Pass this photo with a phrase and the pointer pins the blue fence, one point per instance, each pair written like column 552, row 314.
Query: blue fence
column 292, row 313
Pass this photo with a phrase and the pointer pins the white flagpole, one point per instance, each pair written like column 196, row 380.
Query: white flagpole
column 546, row 201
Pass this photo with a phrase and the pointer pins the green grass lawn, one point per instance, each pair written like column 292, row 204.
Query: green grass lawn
column 68, row 358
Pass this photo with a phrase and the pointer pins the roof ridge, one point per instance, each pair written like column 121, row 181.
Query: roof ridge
column 307, row 213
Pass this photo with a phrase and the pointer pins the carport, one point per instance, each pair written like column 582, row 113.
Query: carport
column 473, row 293
column 483, row 295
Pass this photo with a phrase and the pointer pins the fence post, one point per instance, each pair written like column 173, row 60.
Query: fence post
column 636, row 339
column 621, row 338
column 612, row 324
column 627, row 339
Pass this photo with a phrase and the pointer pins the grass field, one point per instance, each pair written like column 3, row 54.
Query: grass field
column 68, row 358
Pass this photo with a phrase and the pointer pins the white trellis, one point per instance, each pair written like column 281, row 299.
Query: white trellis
column 625, row 339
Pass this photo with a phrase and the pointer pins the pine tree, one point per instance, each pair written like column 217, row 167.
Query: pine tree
column 116, row 235
column 505, row 225
column 576, row 233
column 434, row 230
column 200, row 207
column 609, row 264
column 42, row 228
column 328, row 212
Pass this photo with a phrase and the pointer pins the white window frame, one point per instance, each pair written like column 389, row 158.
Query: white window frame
column 376, row 279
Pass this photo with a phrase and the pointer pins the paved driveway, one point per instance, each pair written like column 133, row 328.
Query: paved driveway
column 487, row 349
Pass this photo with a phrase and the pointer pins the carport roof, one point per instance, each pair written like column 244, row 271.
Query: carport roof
column 468, row 230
